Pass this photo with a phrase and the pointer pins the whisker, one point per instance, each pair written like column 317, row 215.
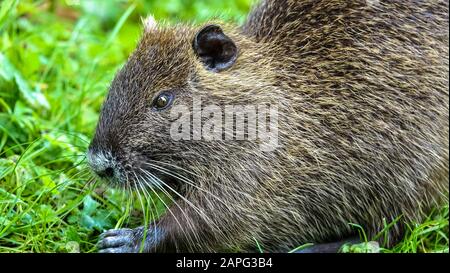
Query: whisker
column 190, row 182
column 174, row 166
column 175, row 175
column 155, row 183
column 199, row 211
column 146, row 224
column 169, row 210
column 149, row 197
column 188, row 219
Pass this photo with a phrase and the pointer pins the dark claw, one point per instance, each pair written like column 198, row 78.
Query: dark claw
column 113, row 242
column 118, row 241
column 129, row 240
column 115, row 232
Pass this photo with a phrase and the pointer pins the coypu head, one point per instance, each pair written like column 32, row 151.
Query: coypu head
column 133, row 144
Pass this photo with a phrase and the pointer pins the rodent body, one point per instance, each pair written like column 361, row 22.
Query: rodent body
column 362, row 90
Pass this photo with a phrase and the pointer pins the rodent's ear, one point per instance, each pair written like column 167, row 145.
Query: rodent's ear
column 215, row 49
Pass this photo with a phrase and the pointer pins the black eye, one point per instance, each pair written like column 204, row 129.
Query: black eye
column 163, row 101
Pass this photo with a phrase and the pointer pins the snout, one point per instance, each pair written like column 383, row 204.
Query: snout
column 102, row 164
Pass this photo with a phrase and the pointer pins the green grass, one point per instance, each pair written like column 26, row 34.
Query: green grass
column 431, row 236
column 57, row 59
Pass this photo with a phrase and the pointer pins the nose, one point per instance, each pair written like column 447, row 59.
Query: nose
column 106, row 173
column 101, row 164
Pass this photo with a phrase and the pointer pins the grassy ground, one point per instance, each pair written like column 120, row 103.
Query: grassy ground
column 56, row 61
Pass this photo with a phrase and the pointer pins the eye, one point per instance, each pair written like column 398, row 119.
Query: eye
column 162, row 101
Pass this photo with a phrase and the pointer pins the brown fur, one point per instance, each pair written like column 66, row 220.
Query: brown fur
column 362, row 89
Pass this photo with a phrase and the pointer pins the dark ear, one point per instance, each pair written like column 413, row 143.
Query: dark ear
column 215, row 49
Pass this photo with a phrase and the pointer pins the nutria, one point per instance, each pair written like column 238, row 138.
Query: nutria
column 363, row 121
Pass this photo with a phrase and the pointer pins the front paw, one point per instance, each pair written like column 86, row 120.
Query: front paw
column 119, row 241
